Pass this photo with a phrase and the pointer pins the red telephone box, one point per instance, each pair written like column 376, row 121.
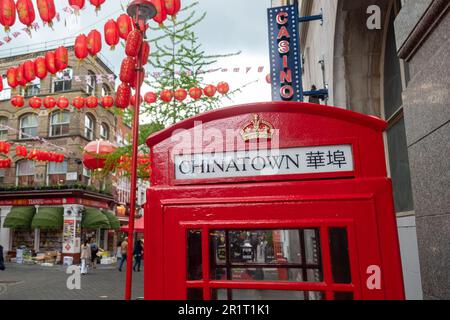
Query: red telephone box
column 271, row 201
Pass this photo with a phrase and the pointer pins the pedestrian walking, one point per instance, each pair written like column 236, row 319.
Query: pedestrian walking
column 85, row 256
column 137, row 252
column 2, row 262
column 94, row 251
column 123, row 251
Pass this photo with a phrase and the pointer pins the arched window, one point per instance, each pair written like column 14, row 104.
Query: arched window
column 63, row 80
column 25, row 173
column 89, row 126
column 59, row 123
column 3, row 130
column 28, row 126
column 90, row 83
column 33, row 88
column 56, row 173
column 104, row 131
column 105, row 90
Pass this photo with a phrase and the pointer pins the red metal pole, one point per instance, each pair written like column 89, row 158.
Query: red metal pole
column 133, row 182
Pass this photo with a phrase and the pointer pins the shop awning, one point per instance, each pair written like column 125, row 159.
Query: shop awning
column 48, row 218
column 114, row 223
column 138, row 226
column 94, row 219
column 19, row 218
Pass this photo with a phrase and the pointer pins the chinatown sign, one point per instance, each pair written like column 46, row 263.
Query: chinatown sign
column 288, row 161
column 285, row 64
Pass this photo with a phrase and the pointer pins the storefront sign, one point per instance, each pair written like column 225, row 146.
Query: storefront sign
column 71, row 176
column 302, row 160
column 53, row 202
column 285, row 64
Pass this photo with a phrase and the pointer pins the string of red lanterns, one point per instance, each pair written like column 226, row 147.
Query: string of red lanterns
column 62, row 102
column 34, row 155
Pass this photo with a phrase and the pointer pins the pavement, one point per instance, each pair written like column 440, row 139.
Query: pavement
column 34, row 282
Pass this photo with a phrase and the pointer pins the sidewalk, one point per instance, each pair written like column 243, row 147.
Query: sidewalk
column 33, row 282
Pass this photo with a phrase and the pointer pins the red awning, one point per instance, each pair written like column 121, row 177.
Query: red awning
column 138, row 226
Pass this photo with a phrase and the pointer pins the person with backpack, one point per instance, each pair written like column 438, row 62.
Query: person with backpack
column 94, row 251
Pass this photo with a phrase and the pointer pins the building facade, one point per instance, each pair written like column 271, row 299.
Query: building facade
column 389, row 58
column 66, row 185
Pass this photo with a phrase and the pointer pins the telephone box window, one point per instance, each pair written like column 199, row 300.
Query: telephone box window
column 245, row 294
column 194, row 256
column 343, row 296
column 340, row 261
column 266, row 255
column 194, row 294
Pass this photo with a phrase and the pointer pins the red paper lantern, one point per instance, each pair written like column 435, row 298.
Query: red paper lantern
column 21, row 151
column 11, row 76
column 95, row 153
column 210, row 90
column 125, row 26
column 35, row 102
column 145, row 48
column 128, row 70
column 97, row 4
column 20, row 76
column 5, row 147
column 5, row 163
column 25, row 11
column 134, row 43
column 28, row 71
column 166, row 95
column 161, row 13
column 40, row 69
column 92, row 102
column 195, row 93
column 172, row 7
column 150, row 97
column 78, row 102
column 94, row 42
column 18, row 101
column 47, row 11
column 111, row 32
column 133, row 100
column 7, row 13
column 223, row 87
column 1, row 83
column 49, row 102
column 62, row 102
column 123, row 96
column 61, row 58
column 268, row 78
column 50, row 62
column 180, row 94
column 107, row 102
column 77, row 5
column 80, row 48
column 133, row 82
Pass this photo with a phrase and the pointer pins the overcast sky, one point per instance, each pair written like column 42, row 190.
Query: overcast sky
column 230, row 26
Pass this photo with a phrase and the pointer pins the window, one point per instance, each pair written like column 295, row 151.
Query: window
column 105, row 90
column 86, row 179
column 59, row 123
column 5, row 94
column 33, row 89
column 90, row 83
column 63, row 81
column 3, row 130
column 25, row 173
column 28, row 126
column 394, row 84
column 104, row 131
column 2, row 175
column 57, row 173
column 89, row 127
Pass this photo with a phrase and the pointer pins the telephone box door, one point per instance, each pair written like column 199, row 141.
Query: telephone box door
column 301, row 250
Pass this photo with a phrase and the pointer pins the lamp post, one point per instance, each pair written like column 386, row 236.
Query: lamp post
column 140, row 11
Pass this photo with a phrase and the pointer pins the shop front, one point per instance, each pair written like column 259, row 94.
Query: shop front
column 271, row 201
column 49, row 229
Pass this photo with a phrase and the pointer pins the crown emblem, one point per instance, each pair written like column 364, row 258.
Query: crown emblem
column 257, row 129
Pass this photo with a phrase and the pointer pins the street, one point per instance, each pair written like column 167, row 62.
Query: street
column 33, row 282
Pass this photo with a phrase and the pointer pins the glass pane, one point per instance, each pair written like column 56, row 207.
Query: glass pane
column 25, row 168
column 343, row 296
column 340, row 261
column 277, row 255
column 240, row 294
column 399, row 165
column 54, row 168
column 194, row 255
column 195, row 294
